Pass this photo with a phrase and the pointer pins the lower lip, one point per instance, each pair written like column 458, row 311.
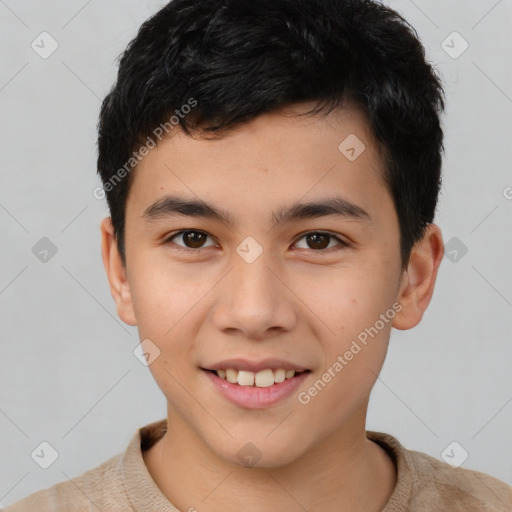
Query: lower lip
column 252, row 397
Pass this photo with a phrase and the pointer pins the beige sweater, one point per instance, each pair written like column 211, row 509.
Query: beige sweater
column 123, row 484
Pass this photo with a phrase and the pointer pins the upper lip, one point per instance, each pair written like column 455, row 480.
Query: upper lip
column 255, row 366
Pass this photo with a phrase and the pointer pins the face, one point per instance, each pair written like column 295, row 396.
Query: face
column 248, row 277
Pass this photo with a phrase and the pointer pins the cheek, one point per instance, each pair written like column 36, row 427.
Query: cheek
column 170, row 303
column 352, row 363
column 357, row 304
column 164, row 295
column 344, row 300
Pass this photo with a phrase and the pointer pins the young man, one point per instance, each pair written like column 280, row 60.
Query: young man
column 272, row 170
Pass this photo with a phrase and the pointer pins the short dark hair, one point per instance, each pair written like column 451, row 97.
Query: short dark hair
column 238, row 59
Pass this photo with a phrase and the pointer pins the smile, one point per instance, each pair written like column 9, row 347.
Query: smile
column 262, row 379
column 256, row 390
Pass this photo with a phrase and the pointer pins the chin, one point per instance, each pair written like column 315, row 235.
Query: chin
column 261, row 454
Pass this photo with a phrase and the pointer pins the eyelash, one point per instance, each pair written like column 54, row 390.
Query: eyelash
column 342, row 244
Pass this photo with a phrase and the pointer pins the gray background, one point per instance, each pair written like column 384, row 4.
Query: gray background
column 68, row 375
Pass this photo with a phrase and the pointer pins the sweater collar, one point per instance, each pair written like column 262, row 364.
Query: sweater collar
column 141, row 489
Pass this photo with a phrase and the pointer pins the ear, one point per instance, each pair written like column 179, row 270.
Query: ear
column 116, row 273
column 417, row 285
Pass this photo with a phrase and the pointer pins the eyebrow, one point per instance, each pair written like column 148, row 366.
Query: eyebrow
column 172, row 206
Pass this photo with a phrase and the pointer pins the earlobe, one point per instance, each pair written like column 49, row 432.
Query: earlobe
column 418, row 281
column 116, row 273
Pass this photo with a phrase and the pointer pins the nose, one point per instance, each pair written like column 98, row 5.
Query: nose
column 254, row 301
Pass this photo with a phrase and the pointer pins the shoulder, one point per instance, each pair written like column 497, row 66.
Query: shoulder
column 119, row 484
column 95, row 488
column 425, row 483
column 469, row 489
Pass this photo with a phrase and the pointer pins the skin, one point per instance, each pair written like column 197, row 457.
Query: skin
column 295, row 302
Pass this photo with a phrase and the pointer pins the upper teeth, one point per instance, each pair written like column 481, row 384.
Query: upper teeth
column 262, row 379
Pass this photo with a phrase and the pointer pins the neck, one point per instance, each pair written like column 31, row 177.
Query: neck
column 346, row 471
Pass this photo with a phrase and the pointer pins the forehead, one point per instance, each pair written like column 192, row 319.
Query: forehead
column 276, row 159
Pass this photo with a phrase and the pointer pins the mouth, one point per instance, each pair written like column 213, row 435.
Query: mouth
column 256, row 389
column 260, row 379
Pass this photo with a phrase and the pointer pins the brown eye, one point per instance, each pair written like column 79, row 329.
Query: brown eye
column 194, row 239
column 190, row 239
column 319, row 241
